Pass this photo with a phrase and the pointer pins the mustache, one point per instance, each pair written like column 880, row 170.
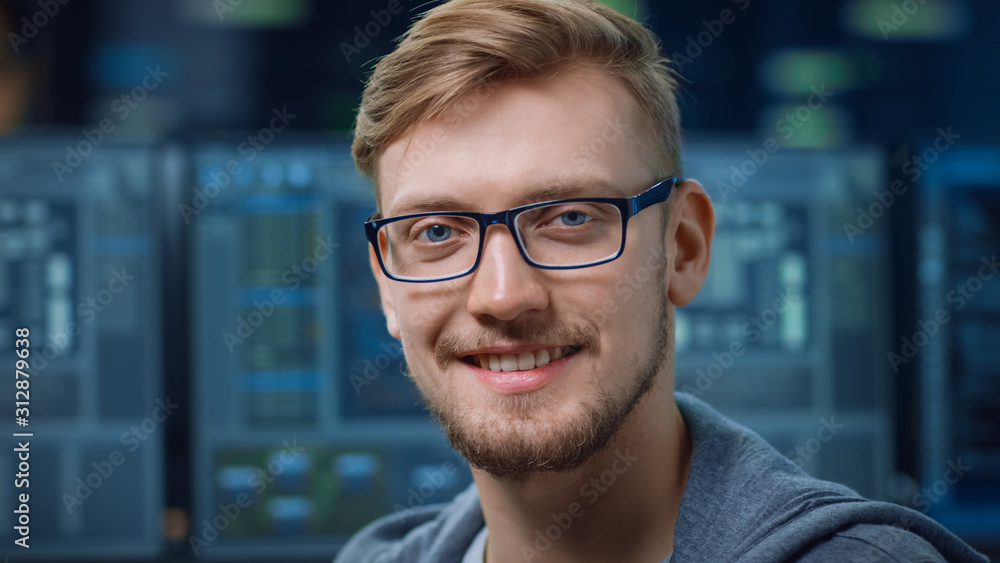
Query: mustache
column 455, row 342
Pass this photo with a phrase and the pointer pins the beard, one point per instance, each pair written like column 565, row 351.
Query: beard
column 513, row 437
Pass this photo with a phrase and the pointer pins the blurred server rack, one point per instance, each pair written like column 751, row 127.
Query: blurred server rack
column 305, row 426
column 954, row 341
column 789, row 333
column 79, row 267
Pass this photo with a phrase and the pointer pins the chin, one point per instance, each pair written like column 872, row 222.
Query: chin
column 512, row 437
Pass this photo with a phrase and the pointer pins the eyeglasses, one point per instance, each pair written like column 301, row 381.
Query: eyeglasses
column 553, row 235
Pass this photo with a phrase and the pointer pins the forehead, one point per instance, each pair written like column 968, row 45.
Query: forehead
column 498, row 145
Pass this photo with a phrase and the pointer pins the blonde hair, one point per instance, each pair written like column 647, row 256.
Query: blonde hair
column 464, row 45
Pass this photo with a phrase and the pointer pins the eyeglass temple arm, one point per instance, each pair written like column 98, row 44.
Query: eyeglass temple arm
column 655, row 194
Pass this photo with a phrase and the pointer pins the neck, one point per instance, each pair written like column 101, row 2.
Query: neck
column 621, row 505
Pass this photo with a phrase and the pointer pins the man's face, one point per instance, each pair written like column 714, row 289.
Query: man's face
column 604, row 332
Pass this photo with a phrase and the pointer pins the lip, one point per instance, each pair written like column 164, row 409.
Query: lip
column 514, row 382
column 513, row 350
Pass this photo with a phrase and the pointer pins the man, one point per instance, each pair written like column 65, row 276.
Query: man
column 555, row 388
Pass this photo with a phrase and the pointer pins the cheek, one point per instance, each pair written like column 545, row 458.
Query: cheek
column 628, row 304
column 623, row 287
column 422, row 313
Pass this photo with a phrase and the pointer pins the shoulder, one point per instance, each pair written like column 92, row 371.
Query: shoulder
column 855, row 529
column 871, row 543
column 765, row 507
column 732, row 466
column 439, row 532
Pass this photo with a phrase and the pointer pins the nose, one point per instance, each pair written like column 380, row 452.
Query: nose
column 505, row 286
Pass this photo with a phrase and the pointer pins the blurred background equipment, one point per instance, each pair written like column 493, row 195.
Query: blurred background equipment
column 302, row 405
column 80, row 267
column 958, row 220
column 788, row 334
column 245, row 376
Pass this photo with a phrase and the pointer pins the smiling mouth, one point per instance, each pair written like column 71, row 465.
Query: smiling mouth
column 529, row 359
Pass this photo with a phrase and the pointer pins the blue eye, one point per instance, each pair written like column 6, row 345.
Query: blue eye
column 436, row 233
column 574, row 218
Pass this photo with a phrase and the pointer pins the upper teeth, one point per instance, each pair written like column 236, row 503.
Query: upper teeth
column 522, row 361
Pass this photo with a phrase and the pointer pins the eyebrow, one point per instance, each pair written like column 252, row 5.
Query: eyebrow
column 590, row 187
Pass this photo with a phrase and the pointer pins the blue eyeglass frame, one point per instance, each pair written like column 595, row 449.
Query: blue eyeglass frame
column 627, row 206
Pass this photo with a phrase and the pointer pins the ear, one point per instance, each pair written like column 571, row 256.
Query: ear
column 689, row 238
column 391, row 322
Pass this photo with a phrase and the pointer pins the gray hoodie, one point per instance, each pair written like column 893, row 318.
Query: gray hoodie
column 743, row 501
